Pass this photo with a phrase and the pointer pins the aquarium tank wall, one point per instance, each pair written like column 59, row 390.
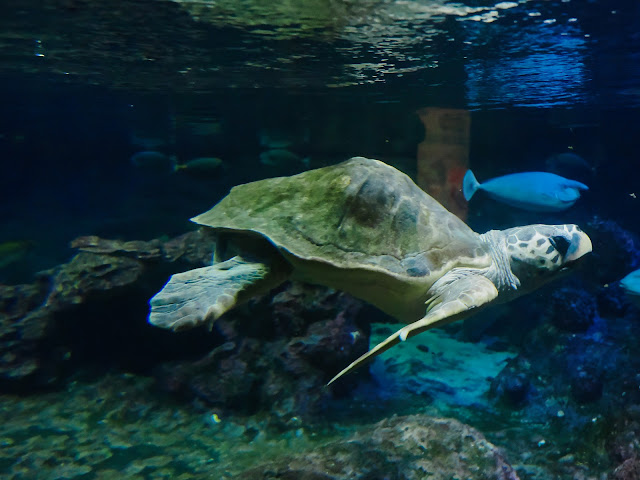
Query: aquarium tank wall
column 320, row 239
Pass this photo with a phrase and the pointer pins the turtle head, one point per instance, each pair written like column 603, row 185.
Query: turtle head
column 539, row 253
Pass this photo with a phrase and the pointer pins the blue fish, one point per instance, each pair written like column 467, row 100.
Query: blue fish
column 631, row 285
column 535, row 191
column 152, row 161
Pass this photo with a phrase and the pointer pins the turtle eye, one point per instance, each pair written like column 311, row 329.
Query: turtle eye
column 560, row 243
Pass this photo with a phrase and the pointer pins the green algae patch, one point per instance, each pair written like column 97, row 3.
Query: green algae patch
column 120, row 427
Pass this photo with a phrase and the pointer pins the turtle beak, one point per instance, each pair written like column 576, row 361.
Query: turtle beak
column 580, row 246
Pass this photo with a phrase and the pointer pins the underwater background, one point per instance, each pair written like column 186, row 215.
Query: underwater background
column 119, row 121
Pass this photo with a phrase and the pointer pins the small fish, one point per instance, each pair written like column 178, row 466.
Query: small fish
column 205, row 127
column 571, row 165
column 14, row 251
column 280, row 157
column 535, row 191
column 275, row 139
column 201, row 166
column 153, row 161
column 631, row 286
column 148, row 143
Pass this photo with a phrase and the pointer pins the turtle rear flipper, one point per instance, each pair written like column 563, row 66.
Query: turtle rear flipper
column 454, row 297
column 202, row 295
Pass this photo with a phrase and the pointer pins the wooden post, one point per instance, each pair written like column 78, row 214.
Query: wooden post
column 443, row 156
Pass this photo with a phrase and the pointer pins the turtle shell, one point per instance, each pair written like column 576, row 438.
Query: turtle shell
column 361, row 214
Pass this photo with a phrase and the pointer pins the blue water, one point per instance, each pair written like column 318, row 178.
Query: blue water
column 86, row 85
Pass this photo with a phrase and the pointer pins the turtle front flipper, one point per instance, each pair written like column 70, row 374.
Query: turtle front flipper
column 202, row 295
column 455, row 295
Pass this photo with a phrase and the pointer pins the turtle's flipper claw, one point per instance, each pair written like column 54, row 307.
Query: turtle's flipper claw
column 370, row 355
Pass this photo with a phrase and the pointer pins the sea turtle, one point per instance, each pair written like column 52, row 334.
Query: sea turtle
column 363, row 227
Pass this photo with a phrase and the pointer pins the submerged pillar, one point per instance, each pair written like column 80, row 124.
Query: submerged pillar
column 443, row 156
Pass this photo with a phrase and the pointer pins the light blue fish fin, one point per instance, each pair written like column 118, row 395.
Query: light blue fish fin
column 570, row 191
column 631, row 283
column 567, row 194
column 575, row 184
column 469, row 185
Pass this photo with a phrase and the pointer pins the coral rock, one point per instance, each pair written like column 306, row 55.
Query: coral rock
column 399, row 448
column 573, row 309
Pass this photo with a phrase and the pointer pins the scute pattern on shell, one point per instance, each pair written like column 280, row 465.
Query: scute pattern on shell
column 359, row 214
